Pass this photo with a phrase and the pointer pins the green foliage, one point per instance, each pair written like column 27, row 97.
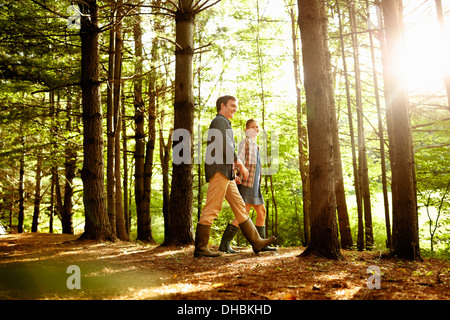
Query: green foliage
column 433, row 177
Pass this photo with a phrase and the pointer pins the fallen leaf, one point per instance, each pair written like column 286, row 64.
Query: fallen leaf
column 289, row 296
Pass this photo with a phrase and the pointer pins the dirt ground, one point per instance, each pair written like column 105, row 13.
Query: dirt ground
column 35, row 266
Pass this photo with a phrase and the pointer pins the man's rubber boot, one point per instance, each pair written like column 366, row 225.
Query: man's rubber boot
column 201, row 242
column 227, row 237
column 262, row 233
column 251, row 234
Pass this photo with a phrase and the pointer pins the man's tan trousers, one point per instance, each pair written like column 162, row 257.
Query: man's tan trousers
column 221, row 188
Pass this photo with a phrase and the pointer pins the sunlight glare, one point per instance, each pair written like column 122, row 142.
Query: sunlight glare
column 425, row 51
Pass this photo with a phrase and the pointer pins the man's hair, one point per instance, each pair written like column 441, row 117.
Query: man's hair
column 224, row 100
column 249, row 122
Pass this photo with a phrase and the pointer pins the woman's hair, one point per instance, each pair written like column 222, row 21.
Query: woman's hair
column 249, row 122
column 224, row 100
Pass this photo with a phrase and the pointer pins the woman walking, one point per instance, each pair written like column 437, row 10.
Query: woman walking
column 249, row 187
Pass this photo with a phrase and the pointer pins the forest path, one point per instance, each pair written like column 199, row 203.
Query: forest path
column 35, row 266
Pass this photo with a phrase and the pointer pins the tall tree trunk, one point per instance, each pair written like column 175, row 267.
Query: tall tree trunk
column 110, row 128
column 324, row 234
column 148, row 164
column 405, row 235
column 302, row 136
column 52, row 201
column 164, row 155
column 181, row 195
column 21, row 190
column 54, row 167
column 362, row 151
column 387, row 95
column 341, row 203
column 275, row 208
column 125, row 169
column 387, row 99
column 59, row 204
column 97, row 224
column 120, row 217
column 151, row 140
column 360, row 235
column 11, row 206
column 382, row 141
column 264, row 141
column 69, row 172
column 142, row 216
column 37, row 193
column 121, row 230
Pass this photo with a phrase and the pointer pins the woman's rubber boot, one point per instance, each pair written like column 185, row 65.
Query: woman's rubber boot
column 201, row 242
column 251, row 234
column 227, row 237
column 262, row 233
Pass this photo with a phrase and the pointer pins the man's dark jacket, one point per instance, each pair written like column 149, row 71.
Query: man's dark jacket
column 220, row 155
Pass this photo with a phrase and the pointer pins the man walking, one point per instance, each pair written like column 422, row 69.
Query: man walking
column 221, row 159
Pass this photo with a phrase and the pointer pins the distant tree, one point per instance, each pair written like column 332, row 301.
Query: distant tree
column 70, row 168
column 362, row 148
column 302, row 135
column 20, row 227
column 380, row 131
column 118, row 58
column 142, row 216
column 360, row 235
column 341, row 202
column 37, row 192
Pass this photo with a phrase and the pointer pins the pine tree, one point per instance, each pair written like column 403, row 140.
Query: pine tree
column 324, row 234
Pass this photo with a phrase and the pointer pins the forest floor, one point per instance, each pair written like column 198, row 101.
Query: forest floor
column 35, row 266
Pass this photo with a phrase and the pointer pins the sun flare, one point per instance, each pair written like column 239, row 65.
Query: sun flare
column 426, row 48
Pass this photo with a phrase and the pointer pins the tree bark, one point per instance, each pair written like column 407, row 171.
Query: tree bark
column 125, row 169
column 360, row 234
column 164, row 155
column 363, row 171
column 324, row 233
column 37, row 193
column 302, row 136
column 142, row 216
column 151, row 139
column 382, row 141
column 97, row 226
column 120, row 217
column 181, row 195
column 21, row 216
column 110, row 129
column 52, row 200
column 70, row 167
column 405, row 235
column 341, row 202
